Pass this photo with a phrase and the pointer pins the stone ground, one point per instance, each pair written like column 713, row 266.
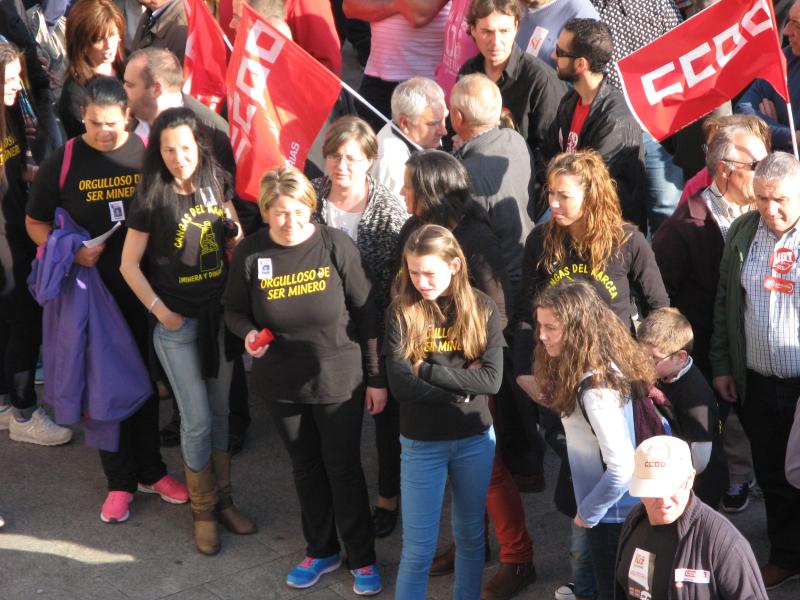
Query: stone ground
column 54, row 546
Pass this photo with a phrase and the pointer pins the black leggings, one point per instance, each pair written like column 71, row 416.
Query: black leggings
column 324, row 444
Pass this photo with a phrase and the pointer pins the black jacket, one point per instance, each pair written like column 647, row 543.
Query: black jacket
column 611, row 130
column 531, row 91
column 706, row 542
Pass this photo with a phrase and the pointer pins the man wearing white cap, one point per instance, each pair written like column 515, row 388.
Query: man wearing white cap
column 674, row 546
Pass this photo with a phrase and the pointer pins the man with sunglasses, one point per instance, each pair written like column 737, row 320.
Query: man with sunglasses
column 688, row 248
column 762, row 100
column 672, row 544
column 594, row 114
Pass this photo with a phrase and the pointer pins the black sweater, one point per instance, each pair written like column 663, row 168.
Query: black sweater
column 696, row 412
column 447, row 401
column 316, row 298
column 633, row 267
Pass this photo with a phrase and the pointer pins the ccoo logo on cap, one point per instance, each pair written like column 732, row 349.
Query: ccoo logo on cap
column 661, row 465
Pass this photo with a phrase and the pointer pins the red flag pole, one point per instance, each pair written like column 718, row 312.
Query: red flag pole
column 794, row 132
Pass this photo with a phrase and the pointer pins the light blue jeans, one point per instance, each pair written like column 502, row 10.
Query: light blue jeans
column 581, row 560
column 203, row 403
column 424, row 468
column 664, row 184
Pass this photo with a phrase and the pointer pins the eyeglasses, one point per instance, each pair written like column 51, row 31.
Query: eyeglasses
column 658, row 361
column 747, row 166
column 349, row 160
column 564, row 54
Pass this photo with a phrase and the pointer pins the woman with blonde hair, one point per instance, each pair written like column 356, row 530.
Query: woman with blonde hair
column 444, row 354
column 589, row 368
column 306, row 284
column 94, row 34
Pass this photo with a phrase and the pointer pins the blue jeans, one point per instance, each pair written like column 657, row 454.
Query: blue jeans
column 581, row 562
column 664, row 182
column 424, row 468
column 203, row 403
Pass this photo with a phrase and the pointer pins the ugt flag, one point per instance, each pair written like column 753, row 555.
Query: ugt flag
column 206, row 56
column 702, row 63
column 279, row 97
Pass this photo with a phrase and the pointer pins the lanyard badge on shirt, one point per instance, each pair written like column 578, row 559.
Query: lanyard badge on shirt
column 782, row 262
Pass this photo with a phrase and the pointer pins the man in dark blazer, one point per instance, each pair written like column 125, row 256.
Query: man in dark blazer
column 162, row 25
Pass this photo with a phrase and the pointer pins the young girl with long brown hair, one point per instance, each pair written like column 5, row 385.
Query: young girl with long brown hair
column 444, row 353
column 589, row 368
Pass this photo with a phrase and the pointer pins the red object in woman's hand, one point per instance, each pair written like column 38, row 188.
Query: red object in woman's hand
column 263, row 338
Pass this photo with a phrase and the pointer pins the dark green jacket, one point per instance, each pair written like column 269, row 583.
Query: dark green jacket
column 728, row 355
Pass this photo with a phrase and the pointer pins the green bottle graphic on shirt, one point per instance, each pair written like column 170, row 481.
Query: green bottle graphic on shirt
column 209, row 249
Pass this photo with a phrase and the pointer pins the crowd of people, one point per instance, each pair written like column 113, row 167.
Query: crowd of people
column 502, row 263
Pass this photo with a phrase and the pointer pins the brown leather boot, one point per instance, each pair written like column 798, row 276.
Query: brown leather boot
column 229, row 515
column 445, row 562
column 509, row 579
column 203, row 496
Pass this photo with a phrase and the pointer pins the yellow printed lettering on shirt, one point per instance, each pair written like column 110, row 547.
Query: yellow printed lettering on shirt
column 10, row 149
column 99, row 189
column 292, row 285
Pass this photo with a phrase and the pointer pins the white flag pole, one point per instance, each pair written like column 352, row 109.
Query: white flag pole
column 361, row 98
column 791, row 127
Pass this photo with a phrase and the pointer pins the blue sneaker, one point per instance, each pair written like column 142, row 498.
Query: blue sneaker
column 367, row 581
column 309, row 570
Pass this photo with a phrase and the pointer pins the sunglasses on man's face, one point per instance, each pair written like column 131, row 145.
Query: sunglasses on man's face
column 560, row 53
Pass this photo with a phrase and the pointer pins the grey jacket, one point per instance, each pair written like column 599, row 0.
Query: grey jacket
column 706, row 542
column 500, row 168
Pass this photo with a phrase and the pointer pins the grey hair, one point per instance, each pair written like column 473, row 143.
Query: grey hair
column 779, row 166
column 722, row 143
column 478, row 99
column 413, row 96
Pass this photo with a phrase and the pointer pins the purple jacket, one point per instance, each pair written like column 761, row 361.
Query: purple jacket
column 94, row 373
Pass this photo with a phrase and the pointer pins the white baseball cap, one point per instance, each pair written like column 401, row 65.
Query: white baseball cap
column 662, row 465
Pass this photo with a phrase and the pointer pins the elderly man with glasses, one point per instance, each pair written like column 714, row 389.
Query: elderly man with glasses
column 762, row 100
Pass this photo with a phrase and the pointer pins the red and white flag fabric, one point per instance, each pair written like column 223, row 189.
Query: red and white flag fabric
column 702, row 63
column 279, row 97
column 459, row 47
column 205, row 60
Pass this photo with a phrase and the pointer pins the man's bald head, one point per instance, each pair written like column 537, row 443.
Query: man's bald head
column 477, row 99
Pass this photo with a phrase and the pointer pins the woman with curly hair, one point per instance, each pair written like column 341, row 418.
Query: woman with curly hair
column 589, row 368
column 585, row 240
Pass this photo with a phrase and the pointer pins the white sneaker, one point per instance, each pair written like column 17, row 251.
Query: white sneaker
column 565, row 592
column 39, row 429
column 6, row 415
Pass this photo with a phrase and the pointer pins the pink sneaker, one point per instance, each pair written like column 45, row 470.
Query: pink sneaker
column 171, row 490
column 115, row 508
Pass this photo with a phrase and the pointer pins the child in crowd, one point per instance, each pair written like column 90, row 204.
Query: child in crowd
column 667, row 335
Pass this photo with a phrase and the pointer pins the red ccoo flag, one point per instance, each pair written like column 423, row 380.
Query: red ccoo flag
column 206, row 55
column 279, row 97
column 702, row 63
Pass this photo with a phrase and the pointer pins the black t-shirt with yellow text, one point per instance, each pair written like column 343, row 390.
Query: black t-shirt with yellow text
column 188, row 273
column 97, row 193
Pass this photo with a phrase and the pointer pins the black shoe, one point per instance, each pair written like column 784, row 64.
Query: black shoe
column 236, row 440
column 171, row 434
column 736, row 498
column 384, row 520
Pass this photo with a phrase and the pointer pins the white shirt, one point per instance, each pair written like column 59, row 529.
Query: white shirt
column 390, row 167
column 343, row 220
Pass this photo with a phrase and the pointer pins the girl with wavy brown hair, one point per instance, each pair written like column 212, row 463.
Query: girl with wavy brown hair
column 589, row 368
column 95, row 30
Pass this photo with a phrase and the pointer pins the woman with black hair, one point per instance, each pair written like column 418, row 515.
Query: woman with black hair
column 183, row 221
column 436, row 191
column 93, row 177
column 20, row 315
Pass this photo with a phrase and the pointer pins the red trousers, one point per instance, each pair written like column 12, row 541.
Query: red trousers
column 504, row 506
